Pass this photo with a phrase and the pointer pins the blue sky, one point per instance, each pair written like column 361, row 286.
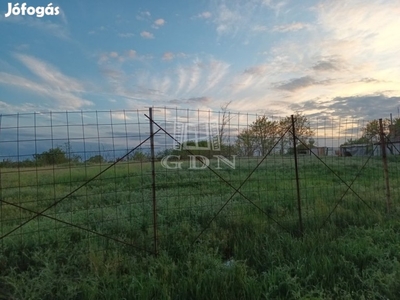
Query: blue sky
column 336, row 58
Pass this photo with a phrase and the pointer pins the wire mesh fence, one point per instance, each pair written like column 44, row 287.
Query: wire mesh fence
column 158, row 178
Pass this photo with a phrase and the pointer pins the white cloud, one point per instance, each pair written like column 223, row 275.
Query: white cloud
column 131, row 53
column 204, row 15
column 237, row 18
column 275, row 5
column 146, row 35
column 158, row 23
column 227, row 19
column 65, row 98
column 371, row 24
column 346, row 48
column 168, row 56
column 143, row 15
column 25, row 107
column 126, row 35
column 348, row 51
column 113, row 54
column 120, row 57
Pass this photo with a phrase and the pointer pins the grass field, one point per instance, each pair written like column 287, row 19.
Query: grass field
column 212, row 242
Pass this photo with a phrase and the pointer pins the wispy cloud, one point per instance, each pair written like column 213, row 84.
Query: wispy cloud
column 250, row 80
column 227, row 20
column 368, row 106
column 168, row 56
column 126, row 35
column 327, row 65
column 275, row 5
column 296, row 84
column 366, row 27
column 203, row 15
column 50, row 74
column 66, row 91
column 237, row 18
column 256, row 70
column 217, row 71
column 290, row 27
column 339, row 60
column 194, row 100
column 120, row 57
column 56, row 29
column 260, row 28
column 181, row 83
column 25, row 107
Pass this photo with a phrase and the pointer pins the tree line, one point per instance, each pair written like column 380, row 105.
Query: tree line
column 371, row 132
column 257, row 138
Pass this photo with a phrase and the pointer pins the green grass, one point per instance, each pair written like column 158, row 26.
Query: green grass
column 350, row 247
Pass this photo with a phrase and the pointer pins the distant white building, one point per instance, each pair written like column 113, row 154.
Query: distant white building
column 392, row 148
column 392, row 143
column 355, row 150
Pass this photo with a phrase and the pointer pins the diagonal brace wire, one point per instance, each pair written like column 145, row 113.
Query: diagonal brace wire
column 78, row 188
column 340, row 178
column 74, row 225
column 237, row 190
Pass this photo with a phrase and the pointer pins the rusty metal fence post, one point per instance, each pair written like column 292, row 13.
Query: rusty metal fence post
column 385, row 165
column 153, row 177
column 297, row 176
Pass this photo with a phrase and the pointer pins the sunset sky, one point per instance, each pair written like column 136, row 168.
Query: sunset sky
column 337, row 58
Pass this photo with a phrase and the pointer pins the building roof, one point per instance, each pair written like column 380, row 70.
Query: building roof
column 354, row 145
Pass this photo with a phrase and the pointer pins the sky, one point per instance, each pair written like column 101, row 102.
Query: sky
column 324, row 58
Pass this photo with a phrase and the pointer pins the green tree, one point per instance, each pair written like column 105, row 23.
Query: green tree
column 371, row 130
column 302, row 126
column 53, row 156
column 394, row 129
column 265, row 133
column 261, row 135
column 97, row 159
column 139, row 156
column 245, row 143
column 303, row 131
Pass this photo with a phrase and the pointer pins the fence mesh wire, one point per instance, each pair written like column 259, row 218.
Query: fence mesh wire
column 86, row 178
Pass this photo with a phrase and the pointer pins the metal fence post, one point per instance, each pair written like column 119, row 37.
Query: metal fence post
column 297, row 176
column 385, row 166
column 153, row 177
